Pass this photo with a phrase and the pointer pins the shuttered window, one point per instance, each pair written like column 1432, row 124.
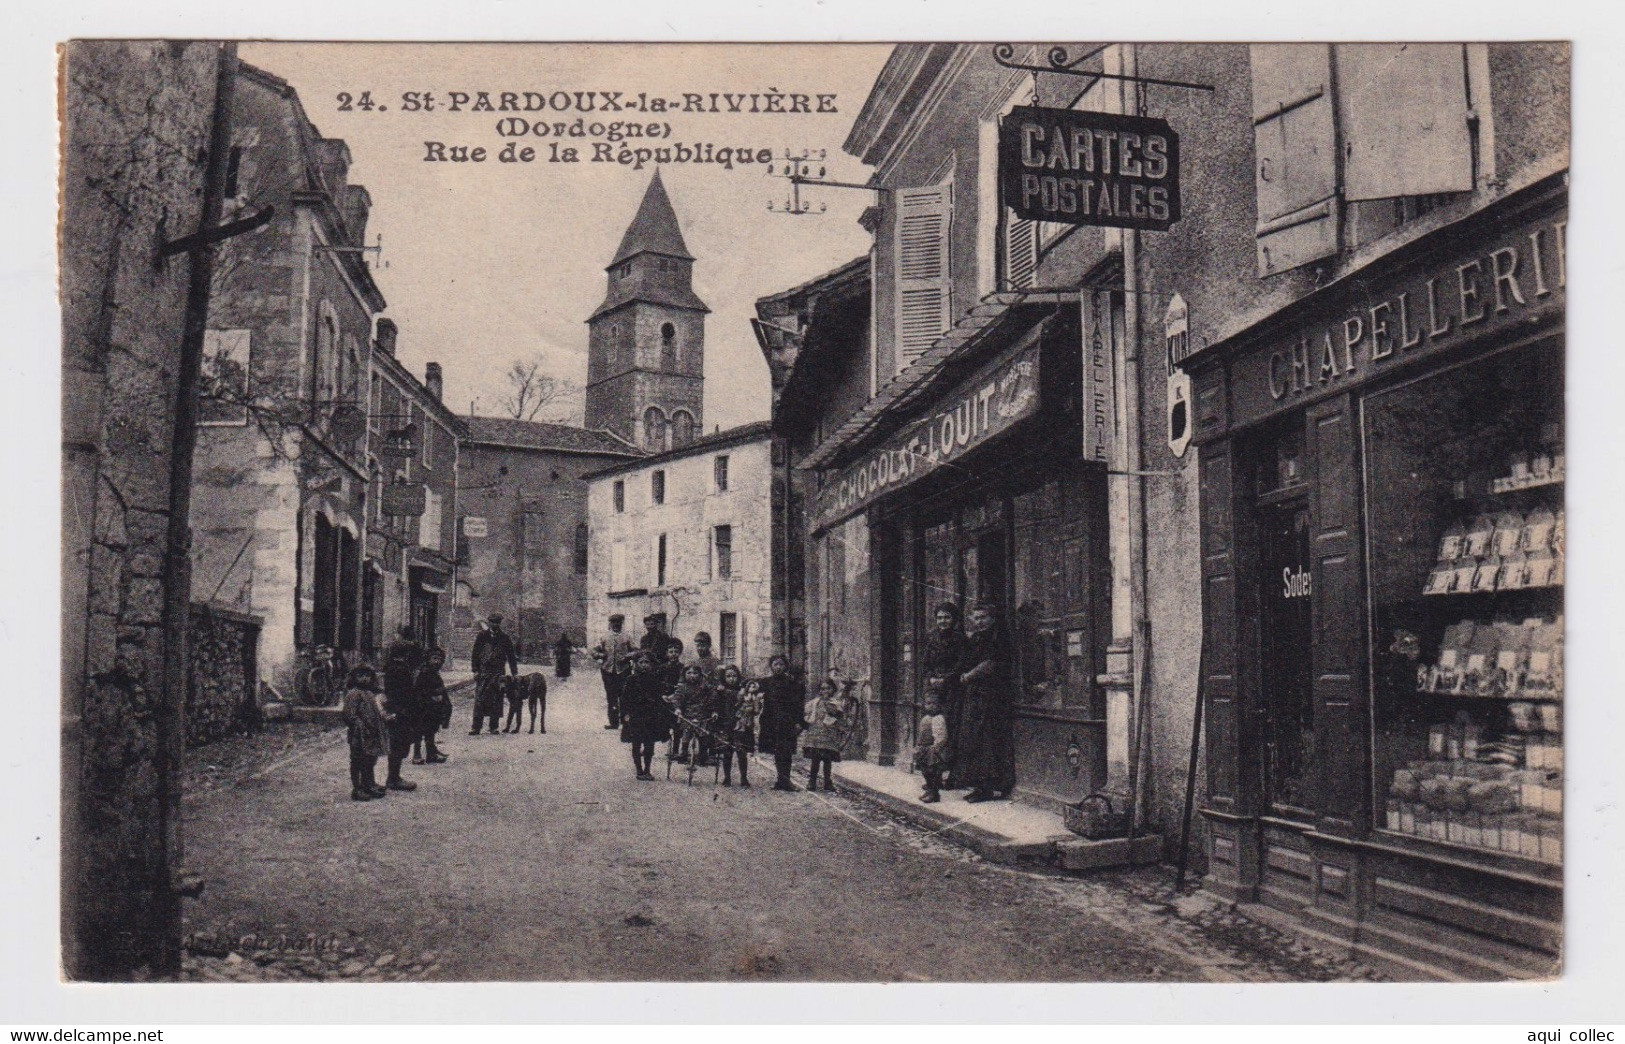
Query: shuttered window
column 1334, row 125
column 1020, row 252
column 924, row 216
column 1295, row 139
column 1402, row 111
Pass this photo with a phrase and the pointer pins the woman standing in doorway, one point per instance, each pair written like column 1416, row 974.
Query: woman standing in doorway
column 985, row 756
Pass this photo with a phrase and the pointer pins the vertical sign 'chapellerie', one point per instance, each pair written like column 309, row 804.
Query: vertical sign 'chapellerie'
column 1089, row 168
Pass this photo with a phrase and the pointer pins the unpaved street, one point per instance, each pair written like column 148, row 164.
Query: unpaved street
column 539, row 857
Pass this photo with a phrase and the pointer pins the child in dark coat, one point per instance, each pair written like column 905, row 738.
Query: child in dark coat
column 368, row 734
column 436, row 705
column 781, row 721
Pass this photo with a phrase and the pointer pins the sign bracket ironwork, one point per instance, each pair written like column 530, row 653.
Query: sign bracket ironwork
column 1061, row 62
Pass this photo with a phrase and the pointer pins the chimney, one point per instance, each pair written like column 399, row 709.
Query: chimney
column 385, row 338
column 432, row 380
column 357, row 204
column 333, row 160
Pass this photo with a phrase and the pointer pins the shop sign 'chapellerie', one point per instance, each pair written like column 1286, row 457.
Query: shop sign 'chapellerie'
column 1089, row 168
column 982, row 409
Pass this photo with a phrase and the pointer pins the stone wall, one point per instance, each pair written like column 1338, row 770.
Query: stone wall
column 222, row 677
column 137, row 121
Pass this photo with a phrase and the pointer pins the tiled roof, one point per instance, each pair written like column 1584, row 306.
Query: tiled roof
column 716, row 440
column 622, row 292
column 969, row 333
column 539, row 435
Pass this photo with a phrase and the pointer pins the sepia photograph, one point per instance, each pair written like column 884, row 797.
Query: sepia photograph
column 810, row 512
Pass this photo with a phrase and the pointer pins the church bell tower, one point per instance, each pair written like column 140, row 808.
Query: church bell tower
column 646, row 342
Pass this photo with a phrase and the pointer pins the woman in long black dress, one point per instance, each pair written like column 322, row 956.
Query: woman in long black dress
column 944, row 660
column 783, row 700
column 986, row 748
column 645, row 719
column 563, row 649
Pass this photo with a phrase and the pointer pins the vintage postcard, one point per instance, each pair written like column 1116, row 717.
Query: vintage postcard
column 995, row 511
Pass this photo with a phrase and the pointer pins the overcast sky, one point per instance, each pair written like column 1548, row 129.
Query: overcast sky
column 492, row 262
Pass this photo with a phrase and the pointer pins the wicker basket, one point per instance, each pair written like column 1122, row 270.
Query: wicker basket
column 1095, row 818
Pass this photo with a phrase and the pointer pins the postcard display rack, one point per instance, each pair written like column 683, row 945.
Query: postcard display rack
column 1470, row 707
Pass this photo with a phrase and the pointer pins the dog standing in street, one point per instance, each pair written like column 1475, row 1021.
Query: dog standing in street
column 535, row 686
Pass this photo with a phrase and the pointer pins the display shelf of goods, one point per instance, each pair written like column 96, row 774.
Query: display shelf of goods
column 1492, row 778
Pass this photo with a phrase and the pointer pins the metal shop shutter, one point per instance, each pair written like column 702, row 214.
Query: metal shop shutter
column 1402, row 109
column 1295, row 139
column 924, row 215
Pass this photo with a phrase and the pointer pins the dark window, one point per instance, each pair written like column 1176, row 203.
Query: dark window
column 723, row 540
column 581, row 549
column 721, row 469
column 660, row 561
column 657, row 487
column 233, row 166
column 620, row 496
column 728, row 635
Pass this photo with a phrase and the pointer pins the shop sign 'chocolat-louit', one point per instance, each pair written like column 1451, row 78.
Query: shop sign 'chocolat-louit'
column 1089, row 168
column 982, row 408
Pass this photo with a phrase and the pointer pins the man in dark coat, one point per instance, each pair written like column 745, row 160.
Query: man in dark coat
column 944, row 661
column 493, row 653
column 401, row 704
column 655, row 638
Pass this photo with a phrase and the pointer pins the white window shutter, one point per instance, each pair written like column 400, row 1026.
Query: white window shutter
column 1295, row 154
column 923, row 219
column 1020, row 252
column 1402, row 109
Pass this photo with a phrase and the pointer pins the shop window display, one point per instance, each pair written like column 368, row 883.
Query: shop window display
column 1464, row 490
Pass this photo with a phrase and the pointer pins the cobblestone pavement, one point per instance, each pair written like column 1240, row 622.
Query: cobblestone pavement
column 539, row 857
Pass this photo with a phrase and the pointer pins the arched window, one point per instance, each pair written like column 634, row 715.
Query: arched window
column 668, row 346
column 654, row 429
column 682, row 428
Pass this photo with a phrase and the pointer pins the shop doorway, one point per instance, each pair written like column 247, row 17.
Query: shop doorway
column 425, row 609
column 1286, row 598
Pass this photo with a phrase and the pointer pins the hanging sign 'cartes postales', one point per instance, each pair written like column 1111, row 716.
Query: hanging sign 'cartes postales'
column 982, row 408
column 1089, row 168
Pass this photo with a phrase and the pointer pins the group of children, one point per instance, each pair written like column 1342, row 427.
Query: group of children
column 391, row 720
column 708, row 712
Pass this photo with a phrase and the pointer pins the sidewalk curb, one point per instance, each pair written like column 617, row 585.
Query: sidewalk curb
column 990, row 846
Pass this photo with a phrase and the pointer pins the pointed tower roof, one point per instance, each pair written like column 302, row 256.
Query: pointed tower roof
column 654, row 229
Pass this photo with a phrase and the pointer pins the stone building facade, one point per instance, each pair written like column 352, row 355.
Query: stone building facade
column 686, row 534
column 141, row 119
column 523, row 537
column 281, row 470
column 413, row 441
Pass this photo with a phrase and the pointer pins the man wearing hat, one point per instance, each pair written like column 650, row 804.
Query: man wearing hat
column 614, row 656
column 493, row 651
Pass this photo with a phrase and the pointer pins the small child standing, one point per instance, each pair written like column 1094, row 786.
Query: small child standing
column 829, row 720
column 368, row 734
column 931, row 743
